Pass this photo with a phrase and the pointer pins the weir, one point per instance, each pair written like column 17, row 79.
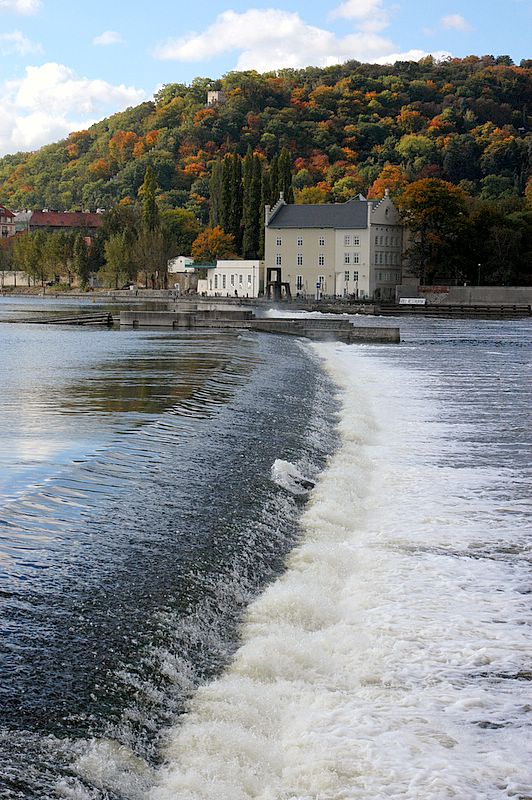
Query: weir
column 325, row 329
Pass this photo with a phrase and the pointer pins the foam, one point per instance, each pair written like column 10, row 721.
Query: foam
column 385, row 662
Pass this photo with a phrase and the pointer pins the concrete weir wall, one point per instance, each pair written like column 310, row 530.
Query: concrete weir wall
column 317, row 329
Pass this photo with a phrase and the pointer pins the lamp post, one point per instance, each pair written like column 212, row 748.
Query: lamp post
column 478, row 274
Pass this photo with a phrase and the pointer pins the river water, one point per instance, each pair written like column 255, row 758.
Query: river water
column 184, row 616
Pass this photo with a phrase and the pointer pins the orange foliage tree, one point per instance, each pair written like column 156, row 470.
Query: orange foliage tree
column 392, row 178
column 213, row 243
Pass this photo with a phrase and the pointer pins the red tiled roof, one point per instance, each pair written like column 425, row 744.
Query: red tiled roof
column 5, row 212
column 65, row 219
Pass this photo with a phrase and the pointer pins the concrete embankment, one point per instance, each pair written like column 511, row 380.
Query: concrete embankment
column 309, row 327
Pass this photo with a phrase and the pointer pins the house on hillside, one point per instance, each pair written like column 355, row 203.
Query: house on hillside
column 350, row 249
column 51, row 221
column 7, row 222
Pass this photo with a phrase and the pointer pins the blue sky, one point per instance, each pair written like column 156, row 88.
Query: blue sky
column 68, row 64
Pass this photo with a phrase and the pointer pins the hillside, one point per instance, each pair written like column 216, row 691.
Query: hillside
column 466, row 121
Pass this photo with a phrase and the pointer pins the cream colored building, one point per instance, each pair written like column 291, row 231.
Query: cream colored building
column 336, row 249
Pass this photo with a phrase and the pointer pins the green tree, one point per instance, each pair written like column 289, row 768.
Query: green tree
column 251, row 215
column 80, row 259
column 118, row 260
column 150, row 210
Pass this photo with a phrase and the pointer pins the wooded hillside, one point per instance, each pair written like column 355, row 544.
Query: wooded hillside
column 348, row 128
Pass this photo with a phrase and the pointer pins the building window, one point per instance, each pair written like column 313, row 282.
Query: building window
column 278, row 260
column 300, row 259
column 216, row 281
column 322, row 241
column 232, row 280
column 249, row 280
column 355, row 276
column 278, row 241
column 223, row 281
column 347, row 258
column 347, row 240
column 376, row 240
column 240, row 280
column 321, row 281
column 299, row 282
column 210, row 285
column 321, row 260
column 381, row 260
column 300, row 241
column 356, row 258
column 346, row 276
column 356, row 241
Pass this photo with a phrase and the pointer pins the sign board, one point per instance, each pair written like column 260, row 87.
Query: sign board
column 412, row 301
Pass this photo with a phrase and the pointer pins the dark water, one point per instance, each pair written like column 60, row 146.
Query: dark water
column 138, row 517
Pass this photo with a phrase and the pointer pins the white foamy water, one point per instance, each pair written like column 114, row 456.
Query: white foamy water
column 390, row 660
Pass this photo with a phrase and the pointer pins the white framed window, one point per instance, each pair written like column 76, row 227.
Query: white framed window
column 278, row 259
column 223, row 282
column 356, row 258
column 232, row 280
column 300, row 259
column 216, row 281
column 210, row 285
column 347, row 258
column 300, row 241
column 346, row 276
column 321, row 260
column 321, row 241
column 321, row 281
column 299, row 282
column 347, row 240
column 240, row 280
column 278, row 241
column 356, row 241
column 249, row 280
column 355, row 276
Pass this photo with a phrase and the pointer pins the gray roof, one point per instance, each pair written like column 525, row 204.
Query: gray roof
column 352, row 214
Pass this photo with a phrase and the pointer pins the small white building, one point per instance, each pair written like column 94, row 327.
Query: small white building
column 234, row 278
column 181, row 264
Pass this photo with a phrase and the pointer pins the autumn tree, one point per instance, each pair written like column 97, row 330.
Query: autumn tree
column 434, row 212
column 213, row 244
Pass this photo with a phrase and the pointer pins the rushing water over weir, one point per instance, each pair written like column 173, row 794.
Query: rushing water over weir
column 185, row 615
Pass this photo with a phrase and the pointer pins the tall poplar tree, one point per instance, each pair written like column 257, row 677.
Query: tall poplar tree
column 285, row 176
column 236, row 202
column 150, row 211
column 251, row 215
column 215, row 194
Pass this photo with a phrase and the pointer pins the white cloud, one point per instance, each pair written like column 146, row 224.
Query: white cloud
column 20, row 6
column 16, row 42
column 369, row 14
column 455, row 22
column 271, row 39
column 50, row 101
column 107, row 37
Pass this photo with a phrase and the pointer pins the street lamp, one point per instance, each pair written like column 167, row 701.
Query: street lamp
column 478, row 275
